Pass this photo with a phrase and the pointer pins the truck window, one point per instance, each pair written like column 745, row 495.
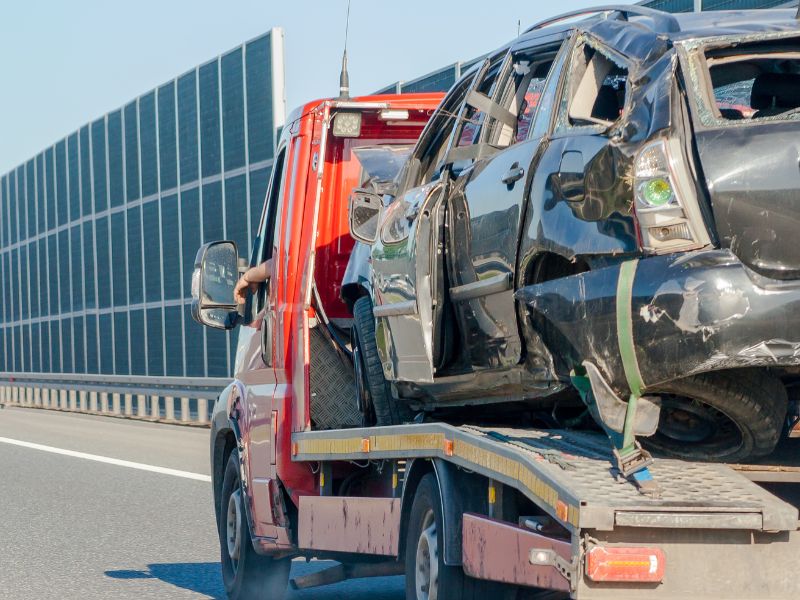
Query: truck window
column 263, row 244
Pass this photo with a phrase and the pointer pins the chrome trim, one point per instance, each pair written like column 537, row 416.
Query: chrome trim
column 395, row 309
column 484, row 287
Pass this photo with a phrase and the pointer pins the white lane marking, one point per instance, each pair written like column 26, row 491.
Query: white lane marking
column 108, row 460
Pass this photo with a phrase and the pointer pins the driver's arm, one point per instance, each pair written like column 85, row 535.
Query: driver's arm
column 251, row 279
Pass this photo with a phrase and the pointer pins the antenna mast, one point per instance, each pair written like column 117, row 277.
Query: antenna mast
column 344, row 77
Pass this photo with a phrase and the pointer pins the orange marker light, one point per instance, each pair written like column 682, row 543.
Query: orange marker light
column 365, row 444
column 643, row 565
column 562, row 511
column 448, row 447
column 295, row 449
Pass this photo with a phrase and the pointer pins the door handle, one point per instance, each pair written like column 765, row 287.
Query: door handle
column 513, row 175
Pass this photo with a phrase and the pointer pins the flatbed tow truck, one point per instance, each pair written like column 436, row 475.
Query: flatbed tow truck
column 465, row 510
column 710, row 533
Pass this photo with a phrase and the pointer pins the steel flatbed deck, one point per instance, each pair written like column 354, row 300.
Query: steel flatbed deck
column 568, row 474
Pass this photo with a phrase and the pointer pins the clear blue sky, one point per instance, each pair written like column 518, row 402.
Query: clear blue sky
column 66, row 63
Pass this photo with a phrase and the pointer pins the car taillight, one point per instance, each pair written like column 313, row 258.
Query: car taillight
column 608, row 564
column 665, row 200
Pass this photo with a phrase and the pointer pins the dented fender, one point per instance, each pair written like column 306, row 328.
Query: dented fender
column 673, row 316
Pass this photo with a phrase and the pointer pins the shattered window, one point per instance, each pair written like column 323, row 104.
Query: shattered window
column 751, row 86
column 597, row 90
column 522, row 94
column 473, row 117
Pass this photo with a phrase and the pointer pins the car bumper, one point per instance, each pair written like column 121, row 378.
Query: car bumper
column 682, row 314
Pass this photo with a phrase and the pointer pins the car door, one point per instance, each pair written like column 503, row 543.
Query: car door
column 580, row 206
column 254, row 368
column 488, row 200
column 405, row 262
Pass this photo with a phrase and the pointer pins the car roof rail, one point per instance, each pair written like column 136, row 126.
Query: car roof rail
column 663, row 20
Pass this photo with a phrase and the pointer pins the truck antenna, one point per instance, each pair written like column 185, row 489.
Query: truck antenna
column 519, row 25
column 344, row 77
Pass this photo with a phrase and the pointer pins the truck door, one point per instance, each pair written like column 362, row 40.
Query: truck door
column 254, row 361
column 494, row 156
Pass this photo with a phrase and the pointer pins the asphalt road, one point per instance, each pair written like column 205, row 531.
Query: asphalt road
column 77, row 528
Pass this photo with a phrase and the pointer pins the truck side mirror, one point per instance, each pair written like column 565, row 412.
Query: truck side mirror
column 365, row 213
column 216, row 271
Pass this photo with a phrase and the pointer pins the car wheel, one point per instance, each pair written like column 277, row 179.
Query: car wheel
column 245, row 573
column 374, row 396
column 720, row 416
column 427, row 577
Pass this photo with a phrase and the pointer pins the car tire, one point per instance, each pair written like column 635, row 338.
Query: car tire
column 374, row 394
column 245, row 573
column 722, row 416
column 426, row 574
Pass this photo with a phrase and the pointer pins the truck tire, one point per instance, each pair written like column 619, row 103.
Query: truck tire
column 245, row 573
column 721, row 416
column 371, row 385
column 427, row 577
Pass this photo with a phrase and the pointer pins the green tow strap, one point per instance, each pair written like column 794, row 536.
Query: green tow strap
column 627, row 351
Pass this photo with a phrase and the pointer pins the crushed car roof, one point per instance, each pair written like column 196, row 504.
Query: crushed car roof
column 681, row 26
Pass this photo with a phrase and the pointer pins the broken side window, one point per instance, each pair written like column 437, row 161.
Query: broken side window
column 521, row 94
column 753, row 82
column 474, row 115
column 596, row 94
column 426, row 162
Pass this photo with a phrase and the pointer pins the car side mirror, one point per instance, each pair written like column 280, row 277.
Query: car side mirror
column 365, row 213
column 216, row 271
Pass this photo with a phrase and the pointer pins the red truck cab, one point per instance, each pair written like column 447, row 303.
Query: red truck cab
column 291, row 369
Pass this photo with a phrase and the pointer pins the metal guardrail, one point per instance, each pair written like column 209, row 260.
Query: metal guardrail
column 161, row 399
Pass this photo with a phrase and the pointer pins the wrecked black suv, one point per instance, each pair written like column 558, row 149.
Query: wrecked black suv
column 618, row 198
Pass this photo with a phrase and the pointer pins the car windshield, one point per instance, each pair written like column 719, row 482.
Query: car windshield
column 754, row 84
column 382, row 163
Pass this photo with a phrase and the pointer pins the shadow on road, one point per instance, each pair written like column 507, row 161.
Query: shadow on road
column 206, row 579
column 203, row 578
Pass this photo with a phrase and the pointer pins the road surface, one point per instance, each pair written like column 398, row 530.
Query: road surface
column 76, row 527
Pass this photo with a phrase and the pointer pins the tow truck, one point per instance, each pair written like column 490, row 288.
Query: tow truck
column 467, row 508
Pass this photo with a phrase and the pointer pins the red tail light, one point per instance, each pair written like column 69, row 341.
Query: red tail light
column 642, row 565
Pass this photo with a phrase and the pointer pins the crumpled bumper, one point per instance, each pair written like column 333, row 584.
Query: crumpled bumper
column 666, row 317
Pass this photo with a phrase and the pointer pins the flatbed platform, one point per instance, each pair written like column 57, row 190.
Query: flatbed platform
column 569, row 474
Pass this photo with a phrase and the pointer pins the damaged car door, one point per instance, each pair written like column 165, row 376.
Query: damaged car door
column 494, row 154
column 405, row 263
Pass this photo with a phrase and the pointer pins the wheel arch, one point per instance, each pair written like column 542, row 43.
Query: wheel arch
column 459, row 492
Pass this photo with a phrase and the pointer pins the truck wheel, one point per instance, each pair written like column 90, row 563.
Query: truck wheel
column 373, row 390
column 722, row 416
column 245, row 573
column 427, row 577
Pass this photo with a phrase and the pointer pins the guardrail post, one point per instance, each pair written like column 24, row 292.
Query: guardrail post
column 37, row 398
column 15, row 394
column 202, row 410
column 93, row 402
column 169, row 406
column 128, row 405
column 72, row 402
column 185, row 416
column 103, row 402
column 141, row 407
column 115, row 404
column 29, row 396
column 82, row 395
column 155, row 410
